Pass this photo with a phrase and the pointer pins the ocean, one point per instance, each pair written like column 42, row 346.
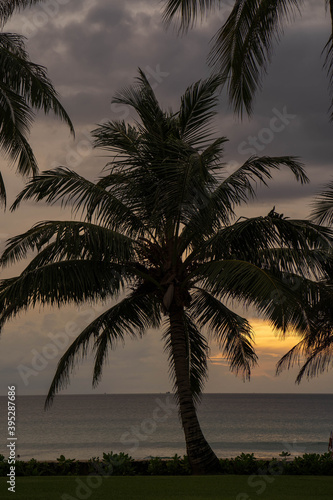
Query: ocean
column 145, row 425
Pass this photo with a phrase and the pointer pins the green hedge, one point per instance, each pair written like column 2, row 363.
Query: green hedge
column 122, row 464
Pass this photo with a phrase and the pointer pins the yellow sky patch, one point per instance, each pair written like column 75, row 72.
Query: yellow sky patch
column 268, row 340
column 267, row 343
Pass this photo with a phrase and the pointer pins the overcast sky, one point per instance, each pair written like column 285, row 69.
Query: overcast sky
column 92, row 53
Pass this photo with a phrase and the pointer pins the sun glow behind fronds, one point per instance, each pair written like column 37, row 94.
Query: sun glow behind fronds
column 270, row 347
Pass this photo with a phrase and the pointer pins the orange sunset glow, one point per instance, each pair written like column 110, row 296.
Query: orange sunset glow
column 270, row 346
column 267, row 342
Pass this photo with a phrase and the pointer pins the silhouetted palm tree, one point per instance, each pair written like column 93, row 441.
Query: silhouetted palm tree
column 159, row 227
column 314, row 352
column 242, row 47
column 24, row 88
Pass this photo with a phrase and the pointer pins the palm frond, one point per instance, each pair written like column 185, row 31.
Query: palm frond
column 118, row 137
column 130, row 317
column 16, row 118
column 198, row 106
column 142, row 99
column 73, row 281
column 238, row 186
column 65, row 185
column 194, row 183
column 187, row 11
column 217, row 210
column 132, row 154
column 8, row 7
column 268, row 291
column 322, row 212
column 243, row 46
column 232, row 332
column 314, row 352
column 319, row 362
column 292, row 357
column 3, row 196
column 328, row 51
column 27, row 79
column 64, row 240
column 273, row 241
column 328, row 65
column 316, row 360
column 24, row 88
column 13, row 43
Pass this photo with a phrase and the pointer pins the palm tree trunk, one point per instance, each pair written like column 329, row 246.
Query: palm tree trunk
column 201, row 457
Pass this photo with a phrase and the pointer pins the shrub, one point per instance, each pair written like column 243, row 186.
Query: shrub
column 119, row 464
column 311, row 464
column 157, row 467
column 178, row 466
column 67, row 466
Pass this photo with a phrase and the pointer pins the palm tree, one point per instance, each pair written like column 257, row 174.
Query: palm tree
column 159, row 227
column 24, row 88
column 314, row 352
column 242, row 47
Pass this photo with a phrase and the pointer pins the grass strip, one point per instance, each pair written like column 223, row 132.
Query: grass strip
column 166, row 488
